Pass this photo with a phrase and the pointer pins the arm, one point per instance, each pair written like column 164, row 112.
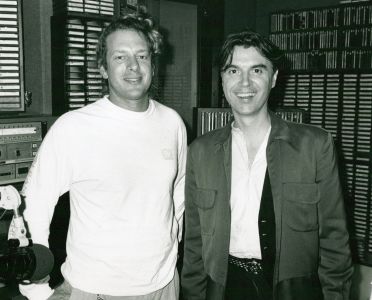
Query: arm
column 45, row 182
column 193, row 278
column 179, row 184
column 335, row 268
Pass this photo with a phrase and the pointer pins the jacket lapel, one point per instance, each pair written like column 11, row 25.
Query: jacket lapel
column 224, row 141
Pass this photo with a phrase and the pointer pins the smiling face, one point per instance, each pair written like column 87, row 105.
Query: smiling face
column 247, row 82
column 129, row 69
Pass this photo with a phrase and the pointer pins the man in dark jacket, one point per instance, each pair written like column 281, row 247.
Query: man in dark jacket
column 264, row 209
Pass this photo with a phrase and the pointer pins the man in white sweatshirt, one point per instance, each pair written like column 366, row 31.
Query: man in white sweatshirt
column 122, row 159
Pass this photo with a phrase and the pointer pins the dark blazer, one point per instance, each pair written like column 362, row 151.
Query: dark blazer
column 312, row 256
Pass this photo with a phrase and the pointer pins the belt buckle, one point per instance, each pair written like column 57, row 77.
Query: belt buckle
column 254, row 266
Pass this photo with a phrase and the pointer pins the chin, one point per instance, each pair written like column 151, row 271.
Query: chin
column 138, row 97
column 246, row 112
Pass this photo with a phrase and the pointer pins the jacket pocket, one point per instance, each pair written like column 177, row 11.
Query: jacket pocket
column 300, row 288
column 300, row 210
column 205, row 201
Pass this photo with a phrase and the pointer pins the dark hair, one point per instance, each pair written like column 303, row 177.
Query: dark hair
column 140, row 22
column 249, row 39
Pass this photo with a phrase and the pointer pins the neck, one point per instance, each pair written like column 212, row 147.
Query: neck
column 253, row 127
column 139, row 105
column 254, row 130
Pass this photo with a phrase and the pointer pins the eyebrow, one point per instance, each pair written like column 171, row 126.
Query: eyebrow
column 263, row 66
column 124, row 51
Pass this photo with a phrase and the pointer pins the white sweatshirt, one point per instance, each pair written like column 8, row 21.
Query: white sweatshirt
column 125, row 173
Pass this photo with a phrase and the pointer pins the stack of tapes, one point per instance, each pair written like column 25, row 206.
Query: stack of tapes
column 93, row 7
column 93, row 84
column 83, row 79
column 74, row 63
column 10, row 57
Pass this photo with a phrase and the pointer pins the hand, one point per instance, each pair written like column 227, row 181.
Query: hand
column 62, row 292
column 59, row 295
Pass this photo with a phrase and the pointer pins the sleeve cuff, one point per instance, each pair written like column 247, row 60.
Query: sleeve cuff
column 41, row 291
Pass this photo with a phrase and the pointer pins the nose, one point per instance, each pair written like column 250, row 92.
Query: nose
column 133, row 63
column 245, row 79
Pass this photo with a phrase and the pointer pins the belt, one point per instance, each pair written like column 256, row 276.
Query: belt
column 250, row 265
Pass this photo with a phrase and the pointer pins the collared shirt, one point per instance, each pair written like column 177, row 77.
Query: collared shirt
column 246, row 191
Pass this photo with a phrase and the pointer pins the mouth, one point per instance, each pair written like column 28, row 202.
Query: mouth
column 134, row 80
column 245, row 95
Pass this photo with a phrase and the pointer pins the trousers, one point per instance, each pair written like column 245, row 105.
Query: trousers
column 66, row 292
column 243, row 285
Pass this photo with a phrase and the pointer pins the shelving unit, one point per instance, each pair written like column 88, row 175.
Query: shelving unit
column 11, row 57
column 338, row 37
column 209, row 119
column 76, row 27
column 76, row 80
column 20, row 134
column 328, row 73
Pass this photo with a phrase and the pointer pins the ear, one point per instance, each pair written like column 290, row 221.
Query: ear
column 275, row 76
column 103, row 72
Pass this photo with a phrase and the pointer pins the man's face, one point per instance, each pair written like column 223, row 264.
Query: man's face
column 247, row 81
column 129, row 69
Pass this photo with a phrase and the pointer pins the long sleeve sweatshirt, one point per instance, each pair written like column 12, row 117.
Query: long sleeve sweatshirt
column 125, row 174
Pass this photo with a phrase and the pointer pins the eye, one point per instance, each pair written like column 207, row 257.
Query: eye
column 257, row 70
column 232, row 71
column 142, row 57
column 120, row 57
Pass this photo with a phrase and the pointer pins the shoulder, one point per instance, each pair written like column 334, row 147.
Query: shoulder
column 302, row 129
column 63, row 122
column 168, row 115
column 75, row 117
column 166, row 110
column 301, row 136
column 294, row 130
column 211, row 139
column 309, row 134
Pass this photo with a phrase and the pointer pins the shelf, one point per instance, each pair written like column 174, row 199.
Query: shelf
column 11, row 57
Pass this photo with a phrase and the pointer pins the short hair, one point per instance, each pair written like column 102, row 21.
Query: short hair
column 248, row 39
column 142, row 23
